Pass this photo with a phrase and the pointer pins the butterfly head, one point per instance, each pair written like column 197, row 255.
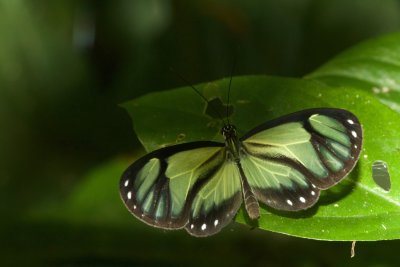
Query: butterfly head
column 228, row 131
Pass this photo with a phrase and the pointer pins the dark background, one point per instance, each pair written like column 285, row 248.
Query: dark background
column 66, row 65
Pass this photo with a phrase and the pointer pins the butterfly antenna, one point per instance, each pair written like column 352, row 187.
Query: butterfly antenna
column 198, row 92
column 229, row 88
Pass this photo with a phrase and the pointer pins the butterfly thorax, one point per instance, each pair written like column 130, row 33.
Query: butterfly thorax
column 231, row 141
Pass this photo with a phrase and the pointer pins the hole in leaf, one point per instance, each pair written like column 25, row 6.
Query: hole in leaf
column 217, row 109
column 380, row 174
column 180, row 137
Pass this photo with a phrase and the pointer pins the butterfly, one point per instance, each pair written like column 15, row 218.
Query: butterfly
column 283, row 163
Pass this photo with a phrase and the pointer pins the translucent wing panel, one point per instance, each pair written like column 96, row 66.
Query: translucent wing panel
column 160, row 187
column 331, row 129
column 217, row 202
column 264, row 173
column 290, row 140
column 185, row 168
column 279, row 185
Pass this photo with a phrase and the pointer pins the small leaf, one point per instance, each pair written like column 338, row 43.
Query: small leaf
column 356, row 209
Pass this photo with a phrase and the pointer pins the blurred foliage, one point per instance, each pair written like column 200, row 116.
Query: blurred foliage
column 66, row 65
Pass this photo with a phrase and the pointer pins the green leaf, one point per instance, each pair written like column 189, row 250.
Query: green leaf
column 372, row 66
column 356, row 209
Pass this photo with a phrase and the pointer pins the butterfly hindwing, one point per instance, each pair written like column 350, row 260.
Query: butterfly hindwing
column 287, row 161
column 279, row 185
column 217, row 202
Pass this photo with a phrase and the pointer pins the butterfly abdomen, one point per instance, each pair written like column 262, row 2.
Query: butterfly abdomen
column 233, row 154
column 250, row 200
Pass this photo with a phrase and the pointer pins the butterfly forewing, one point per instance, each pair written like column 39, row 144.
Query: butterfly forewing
column 288, row 160
column 160, row 187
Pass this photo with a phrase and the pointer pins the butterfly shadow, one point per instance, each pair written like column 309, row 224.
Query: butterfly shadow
column 341, row 190
column 327, row 197
column 288, row 214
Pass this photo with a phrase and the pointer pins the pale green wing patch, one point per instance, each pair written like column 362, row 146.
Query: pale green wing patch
column 330, row 128
column 278, row 184
column 217, row 202
column 146, row 177
column 291, row 133
column 290, row 140
column 185, row 168
column 271, row 174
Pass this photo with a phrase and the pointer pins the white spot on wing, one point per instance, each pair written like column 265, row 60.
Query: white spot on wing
column 302, row 200
column 313, row 185
column 129, row 195
column 350, row 121
column 203, row 226
column 134, row 207
column 192, row 226
column 126, row 183
column 216, row 222
column 355, row 146
column 353, row 133
column 313, row 193
column 289, row 202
